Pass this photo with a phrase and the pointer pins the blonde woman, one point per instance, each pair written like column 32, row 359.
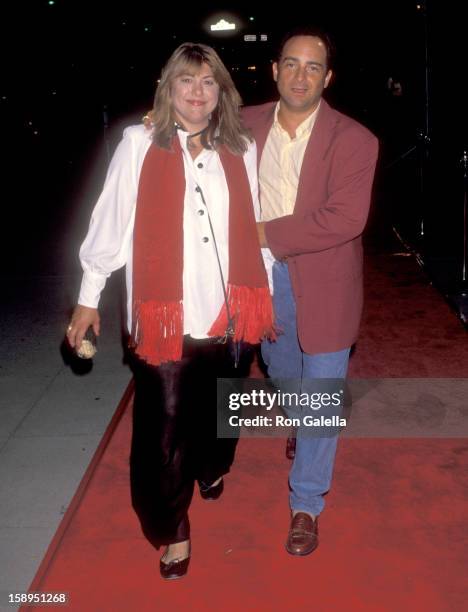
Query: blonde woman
column 178, row 210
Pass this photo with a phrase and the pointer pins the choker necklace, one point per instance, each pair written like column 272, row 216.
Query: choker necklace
column 190, row 145
column 179, row 127
column 197, row 133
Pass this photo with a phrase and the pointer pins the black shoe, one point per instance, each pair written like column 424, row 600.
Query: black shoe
column 291, row 448
column 174, row 569
column 210, row 493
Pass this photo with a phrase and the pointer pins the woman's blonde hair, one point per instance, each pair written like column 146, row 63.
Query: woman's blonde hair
column 225, row 127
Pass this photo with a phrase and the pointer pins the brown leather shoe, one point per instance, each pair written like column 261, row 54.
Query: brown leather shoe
column 291, row 448
column 303, row 535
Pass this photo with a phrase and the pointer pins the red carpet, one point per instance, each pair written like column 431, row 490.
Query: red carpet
column 394, row 533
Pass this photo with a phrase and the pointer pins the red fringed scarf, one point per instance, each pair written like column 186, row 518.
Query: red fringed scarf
column 158, row 328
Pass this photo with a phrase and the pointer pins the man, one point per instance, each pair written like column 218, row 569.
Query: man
column 316, row 171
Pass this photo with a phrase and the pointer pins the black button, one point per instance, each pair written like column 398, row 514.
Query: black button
column 200, row 165
column 197, row 189
column 201, row 212
column 205, row 239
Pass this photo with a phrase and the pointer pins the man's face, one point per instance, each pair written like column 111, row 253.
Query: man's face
column 301, row 73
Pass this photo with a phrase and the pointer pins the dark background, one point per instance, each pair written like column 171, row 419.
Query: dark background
column 75, row 73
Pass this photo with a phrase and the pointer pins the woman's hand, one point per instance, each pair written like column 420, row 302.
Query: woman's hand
column 82, row 318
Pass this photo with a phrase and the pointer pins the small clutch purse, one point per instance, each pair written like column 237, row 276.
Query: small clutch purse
column 87, row 349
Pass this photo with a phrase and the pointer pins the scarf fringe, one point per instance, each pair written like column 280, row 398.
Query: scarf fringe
column 158, row 331
column 252, row 311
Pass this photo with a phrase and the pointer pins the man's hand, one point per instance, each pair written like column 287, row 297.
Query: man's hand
column 82, row 318
column 261, row 234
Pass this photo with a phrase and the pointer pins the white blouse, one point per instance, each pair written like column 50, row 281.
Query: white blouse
column 109, row 243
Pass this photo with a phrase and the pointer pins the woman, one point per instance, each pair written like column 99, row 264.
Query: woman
column 177, row 209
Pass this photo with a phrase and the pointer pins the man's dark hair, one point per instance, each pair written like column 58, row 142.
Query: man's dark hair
column 317, row 32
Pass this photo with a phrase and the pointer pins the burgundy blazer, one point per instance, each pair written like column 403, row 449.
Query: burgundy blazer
column 322, row 238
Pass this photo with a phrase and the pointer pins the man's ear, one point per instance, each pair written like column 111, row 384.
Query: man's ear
column 328, row 78
column 275, row 71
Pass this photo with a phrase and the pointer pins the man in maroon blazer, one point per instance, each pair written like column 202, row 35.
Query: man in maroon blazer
column 316, row 168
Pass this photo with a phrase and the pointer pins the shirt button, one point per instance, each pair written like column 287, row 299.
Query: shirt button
column 205, row 239
column 200, row 165
column 201, row 212
column 197, row 189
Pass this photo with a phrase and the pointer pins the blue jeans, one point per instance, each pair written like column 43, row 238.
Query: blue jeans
column 311, row 472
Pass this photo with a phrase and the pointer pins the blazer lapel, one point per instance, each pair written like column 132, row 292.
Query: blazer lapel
column 262, row 129
column 317, row 147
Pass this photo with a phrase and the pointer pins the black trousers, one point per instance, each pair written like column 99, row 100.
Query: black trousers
column 174, row 441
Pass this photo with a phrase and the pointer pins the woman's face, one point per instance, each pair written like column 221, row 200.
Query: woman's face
column 194, row 97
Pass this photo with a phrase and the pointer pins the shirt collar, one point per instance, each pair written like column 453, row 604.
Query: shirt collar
column 305, row 127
